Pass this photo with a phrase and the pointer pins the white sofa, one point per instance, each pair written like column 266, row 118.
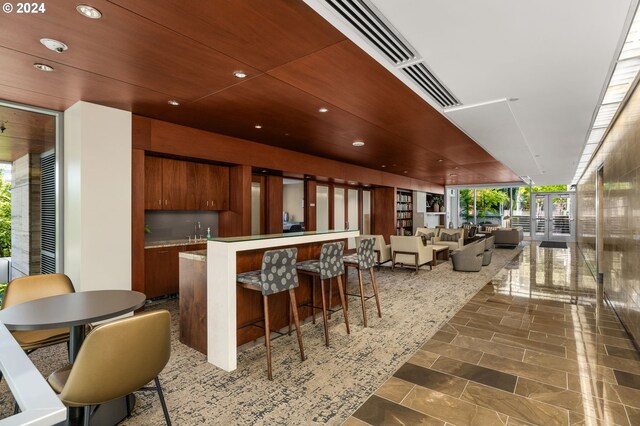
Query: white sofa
column 409, row 251
column 380, row 247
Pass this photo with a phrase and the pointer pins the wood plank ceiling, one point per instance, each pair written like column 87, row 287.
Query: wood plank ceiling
column 25, row 132
column 140, row 55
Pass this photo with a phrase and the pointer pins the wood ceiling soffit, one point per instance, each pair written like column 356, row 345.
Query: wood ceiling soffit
column 127, row 47
column 270, row 33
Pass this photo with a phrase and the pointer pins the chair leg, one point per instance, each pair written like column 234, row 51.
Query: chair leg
column 294, row 307
column 416, row 262
column 267, row 335
column 330, row 297
column 344, row 306
column 364, row 311
column 346, row 285
column 290, row 312
column 162, row 401
column 393, row 262
column 313, row 298
column 324, row 313
column 375, row 291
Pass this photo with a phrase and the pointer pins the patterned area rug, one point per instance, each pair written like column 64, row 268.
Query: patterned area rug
column 326, row 388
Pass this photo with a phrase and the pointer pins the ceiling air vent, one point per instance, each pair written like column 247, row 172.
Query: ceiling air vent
column 374, row 28
column 431, row 85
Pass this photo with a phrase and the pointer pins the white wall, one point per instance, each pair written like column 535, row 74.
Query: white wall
column 97, row 197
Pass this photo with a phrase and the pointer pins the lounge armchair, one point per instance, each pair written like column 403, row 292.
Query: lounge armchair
column 447, row 234
column 507, row 237
column 410, row 251
column 381, row 249
column 488, row 250
column 469, row 258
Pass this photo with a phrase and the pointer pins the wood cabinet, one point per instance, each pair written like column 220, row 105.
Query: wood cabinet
column 161, row 273
column 208, row 187
column 184, row 185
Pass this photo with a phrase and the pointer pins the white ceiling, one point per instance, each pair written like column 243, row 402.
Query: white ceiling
column 554, row 56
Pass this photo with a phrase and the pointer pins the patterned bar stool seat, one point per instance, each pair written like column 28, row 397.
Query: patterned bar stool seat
column 327, row 267
column 278, row 274
column 362, row 260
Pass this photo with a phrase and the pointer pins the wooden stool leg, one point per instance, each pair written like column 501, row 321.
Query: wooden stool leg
column 324, row 313
column 375, row 291
column 267, row 335
column 313, row 298
column 330, row 298
column 290, row 311
column 346, row 285
column 344, row 306
column 364, row 311
column 294, row 308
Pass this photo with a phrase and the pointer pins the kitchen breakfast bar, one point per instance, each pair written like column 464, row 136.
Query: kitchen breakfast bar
column 215, row 314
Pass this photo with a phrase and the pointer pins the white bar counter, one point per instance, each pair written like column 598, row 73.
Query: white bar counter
column 221, row 285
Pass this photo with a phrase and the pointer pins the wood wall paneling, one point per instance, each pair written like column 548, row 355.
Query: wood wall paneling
column 153, row 197
column 384, row 212
column 310, row 205
column 137, row 219
column 237, row 220
column 174, row 184
column 193, row 304
column 274, row 204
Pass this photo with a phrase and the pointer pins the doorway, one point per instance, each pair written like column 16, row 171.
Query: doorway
column 553, row 216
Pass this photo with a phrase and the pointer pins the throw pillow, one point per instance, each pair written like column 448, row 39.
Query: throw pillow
column 425, row 237
column 472, row 231
column 449, row 237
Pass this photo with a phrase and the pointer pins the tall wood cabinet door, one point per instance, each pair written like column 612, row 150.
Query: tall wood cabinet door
column 153, row 183
column 161, row 271
column 218, row 188
column 174, row 184
column 198, row 186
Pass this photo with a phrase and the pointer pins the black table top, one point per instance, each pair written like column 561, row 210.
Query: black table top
column 67, row 310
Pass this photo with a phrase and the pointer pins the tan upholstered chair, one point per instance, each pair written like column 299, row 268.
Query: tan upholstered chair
column 116, row 359
column 381, row 249
column 410, row 251
column 453, row 245
column 488, row 250
column 26, row 289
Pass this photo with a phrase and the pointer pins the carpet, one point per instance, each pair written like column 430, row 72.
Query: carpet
column 553, row 244
column 326, row 388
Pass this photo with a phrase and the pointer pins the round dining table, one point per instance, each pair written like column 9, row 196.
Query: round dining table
column 74, row 310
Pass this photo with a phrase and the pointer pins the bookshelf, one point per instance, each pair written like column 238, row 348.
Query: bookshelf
column 404, row 212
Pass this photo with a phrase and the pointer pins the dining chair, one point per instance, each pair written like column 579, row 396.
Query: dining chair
column 26, row 289
column 116, row 359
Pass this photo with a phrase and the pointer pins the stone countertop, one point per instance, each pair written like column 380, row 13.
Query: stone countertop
column 198, row 255
column 172, row 243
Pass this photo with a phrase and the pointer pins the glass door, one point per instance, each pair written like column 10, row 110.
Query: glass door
column 554, row 216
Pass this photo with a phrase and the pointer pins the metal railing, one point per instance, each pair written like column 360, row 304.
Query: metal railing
column 39, row 404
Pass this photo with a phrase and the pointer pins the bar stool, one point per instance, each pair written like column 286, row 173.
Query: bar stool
column 278, row 274
column 362, row 260
column 328, row 266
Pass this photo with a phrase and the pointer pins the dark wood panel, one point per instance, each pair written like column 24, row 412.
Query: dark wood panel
column 384, row 212
column 140, row 132
column 264, row 34
column 137, row 220
column 153, row 199
column 174, row 184
column 237, row 220
column 310, row 200
column 274, row 204
column 218, row 194
column 193, row 304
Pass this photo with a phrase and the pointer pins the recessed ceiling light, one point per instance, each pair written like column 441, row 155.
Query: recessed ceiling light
column 258, row 126
column 239, row 74
column 453, row 175
column 406, row 171
column 456, row 168
column 358, row 143
column 264, row 171
column 383, row 166
column 173, row 102
column 43, row 67
column 55, row 45
column 440, row 161
column 351, row 183
column 89, row 11
column 323, row 109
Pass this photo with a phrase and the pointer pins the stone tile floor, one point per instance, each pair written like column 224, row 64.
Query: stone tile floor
column 537, row 345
